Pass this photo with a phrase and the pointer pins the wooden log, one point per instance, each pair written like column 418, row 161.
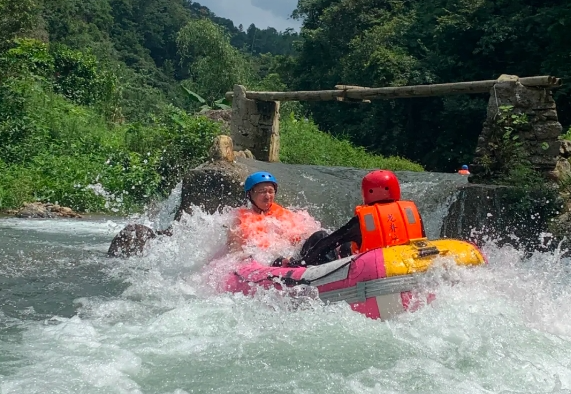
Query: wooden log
column 360, row 93
column 345, row 87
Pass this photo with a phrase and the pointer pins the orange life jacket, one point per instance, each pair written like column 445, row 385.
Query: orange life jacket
column 388, row 224
column 463, row 172
column 262, row 229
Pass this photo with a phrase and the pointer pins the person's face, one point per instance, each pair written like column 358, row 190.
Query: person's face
column 263, row 195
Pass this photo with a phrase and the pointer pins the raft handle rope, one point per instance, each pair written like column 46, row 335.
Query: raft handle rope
column 288, row 280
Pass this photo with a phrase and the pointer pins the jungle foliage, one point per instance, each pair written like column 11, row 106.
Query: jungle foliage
column 94, row 94
column 396, row 42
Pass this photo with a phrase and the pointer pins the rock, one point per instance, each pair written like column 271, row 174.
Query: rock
column 245, row 154
column 45, row 210
column 565, row 149
column 562, row 171
column 508, row 78
column 130, row 241
column 34, row 210
column 222, row 149
column 502, row 213
column 224, row 116
column 212, row 186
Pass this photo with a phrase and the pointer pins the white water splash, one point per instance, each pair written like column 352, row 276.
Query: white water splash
column 502, row 328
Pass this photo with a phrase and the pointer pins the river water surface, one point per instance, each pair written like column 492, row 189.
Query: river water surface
column 74, row 321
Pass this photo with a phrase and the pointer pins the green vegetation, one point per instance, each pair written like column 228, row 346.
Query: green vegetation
column 60, row 145
column 99, row 130
column 390, row 43
column 508, row 160
column 100, row 102
column 303, row 143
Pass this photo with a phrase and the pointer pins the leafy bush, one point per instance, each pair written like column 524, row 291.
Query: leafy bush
column 301, row 142
column 180, row 141
column 58, row 151
column 79, row 77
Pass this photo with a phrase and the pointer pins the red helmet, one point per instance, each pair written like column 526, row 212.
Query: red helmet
column 380, row 185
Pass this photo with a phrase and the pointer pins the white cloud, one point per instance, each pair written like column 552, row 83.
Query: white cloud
column 262, row 13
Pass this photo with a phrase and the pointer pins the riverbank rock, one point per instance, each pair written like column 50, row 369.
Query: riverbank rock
column 44, row 210
column 505, row 214
column 213, row 186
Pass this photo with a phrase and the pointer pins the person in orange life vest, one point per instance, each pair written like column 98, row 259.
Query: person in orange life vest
column 464, row 170
column 383, row 220
column 254, row 225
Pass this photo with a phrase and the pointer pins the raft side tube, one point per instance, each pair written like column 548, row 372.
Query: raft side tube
column 372, row 288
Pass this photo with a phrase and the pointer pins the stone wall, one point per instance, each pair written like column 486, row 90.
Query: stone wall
column 538, row 136
column 255, row 126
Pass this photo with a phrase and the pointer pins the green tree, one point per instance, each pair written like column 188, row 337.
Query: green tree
column 214, row 65
column 389, row 43
column 16, row 18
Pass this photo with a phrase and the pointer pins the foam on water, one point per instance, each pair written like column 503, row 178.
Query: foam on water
column 155, row 325
column 66, row 226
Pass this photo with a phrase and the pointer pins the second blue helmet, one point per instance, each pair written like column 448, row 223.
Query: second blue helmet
column 259, row 177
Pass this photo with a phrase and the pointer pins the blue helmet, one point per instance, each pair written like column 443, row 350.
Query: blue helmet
column 464, row 167
column 259, row 177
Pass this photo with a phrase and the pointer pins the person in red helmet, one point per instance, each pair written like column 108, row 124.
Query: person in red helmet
column 383, row 220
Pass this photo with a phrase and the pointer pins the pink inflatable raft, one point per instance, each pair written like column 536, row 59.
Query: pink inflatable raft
column 378, row 283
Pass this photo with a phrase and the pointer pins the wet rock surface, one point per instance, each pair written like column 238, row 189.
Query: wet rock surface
column 44, row 210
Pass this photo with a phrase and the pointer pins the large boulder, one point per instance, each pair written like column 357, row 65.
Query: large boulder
column 213, row 186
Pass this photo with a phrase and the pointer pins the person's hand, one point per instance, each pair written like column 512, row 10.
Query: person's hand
column 281, row 262
column 296, row 262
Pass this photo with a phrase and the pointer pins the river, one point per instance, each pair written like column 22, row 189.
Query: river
column 74, row 321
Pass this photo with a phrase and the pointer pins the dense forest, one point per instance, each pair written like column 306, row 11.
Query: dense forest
column 119, row 81
column 391, row 43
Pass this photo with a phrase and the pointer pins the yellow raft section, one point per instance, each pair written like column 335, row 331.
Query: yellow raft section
column 419, row 254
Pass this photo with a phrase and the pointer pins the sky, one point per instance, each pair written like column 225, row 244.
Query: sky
column 262, row 13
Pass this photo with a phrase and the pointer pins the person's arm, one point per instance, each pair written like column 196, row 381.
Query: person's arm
column 234, row 235
column 350, row 232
